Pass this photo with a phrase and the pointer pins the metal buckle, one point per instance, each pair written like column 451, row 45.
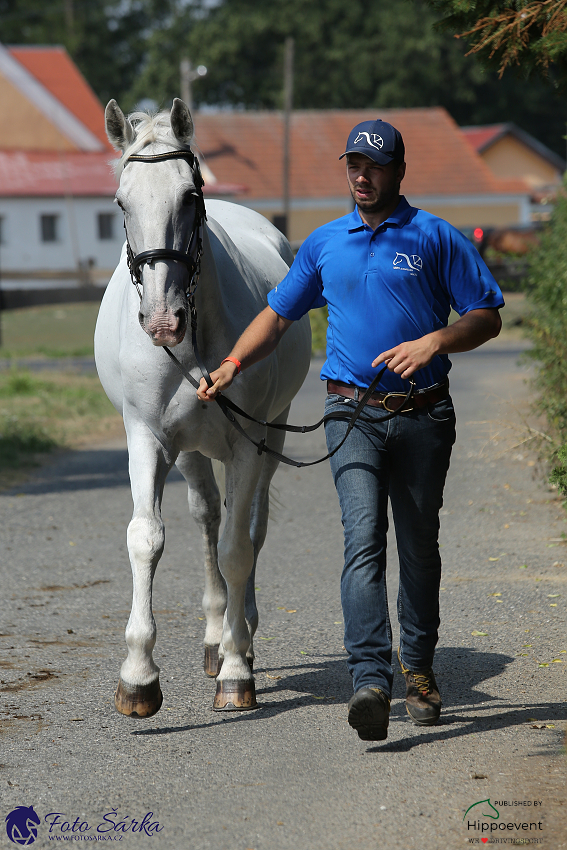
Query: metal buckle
column 394, row 395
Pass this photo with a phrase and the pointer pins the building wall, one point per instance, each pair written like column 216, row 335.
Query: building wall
column 463, row 212
column 27, row 128
column 509, row 158
column 23, row 250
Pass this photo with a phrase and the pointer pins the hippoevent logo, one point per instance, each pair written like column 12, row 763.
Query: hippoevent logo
column 22, row 825
column 484, row 824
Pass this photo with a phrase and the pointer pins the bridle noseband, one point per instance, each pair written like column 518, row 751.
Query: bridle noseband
column 136, row 261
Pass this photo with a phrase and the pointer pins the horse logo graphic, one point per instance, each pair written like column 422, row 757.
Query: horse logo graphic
column 372, row 139
column 484, row 814
column 21, row 825
column 408, row 263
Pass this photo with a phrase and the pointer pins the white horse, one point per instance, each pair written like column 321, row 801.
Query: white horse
column 243, row 256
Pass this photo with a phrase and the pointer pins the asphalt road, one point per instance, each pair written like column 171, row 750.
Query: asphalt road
column 291, row 774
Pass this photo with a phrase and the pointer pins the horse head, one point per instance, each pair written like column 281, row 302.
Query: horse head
column 161, row 200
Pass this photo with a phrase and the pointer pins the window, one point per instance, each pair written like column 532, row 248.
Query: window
column 106, row 225
column 49, row 228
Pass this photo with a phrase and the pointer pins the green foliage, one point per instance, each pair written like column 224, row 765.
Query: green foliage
column 546, row 325
column 106, row 40
column 351, row 55
column 559, row 472
column 318, row 319
column 21, row 441
column 347, row 55
column 528, row 34
column 39, row 412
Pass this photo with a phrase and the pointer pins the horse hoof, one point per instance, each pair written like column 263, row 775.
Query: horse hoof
column 212, row 662
column 138, row 700
column 235, row 695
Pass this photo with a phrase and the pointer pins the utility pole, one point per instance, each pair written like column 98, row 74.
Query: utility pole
column 188, row 76
column 288, row 106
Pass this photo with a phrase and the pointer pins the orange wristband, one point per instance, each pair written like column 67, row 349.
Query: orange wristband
column 236, row 362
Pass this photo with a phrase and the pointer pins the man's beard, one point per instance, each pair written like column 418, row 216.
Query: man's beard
column 381, row 202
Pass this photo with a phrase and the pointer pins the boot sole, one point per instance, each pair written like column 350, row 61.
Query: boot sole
column 370, row 719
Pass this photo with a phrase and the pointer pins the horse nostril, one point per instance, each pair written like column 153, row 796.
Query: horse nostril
column 180, row 316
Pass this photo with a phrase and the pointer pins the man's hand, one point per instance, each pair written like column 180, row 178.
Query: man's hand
column 407, row 358
column 222, row 378
column 468, row 332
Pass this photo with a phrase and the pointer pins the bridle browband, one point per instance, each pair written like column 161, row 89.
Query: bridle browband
column 228, row 407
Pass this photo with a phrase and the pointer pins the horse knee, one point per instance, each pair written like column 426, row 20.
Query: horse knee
column 146, row 539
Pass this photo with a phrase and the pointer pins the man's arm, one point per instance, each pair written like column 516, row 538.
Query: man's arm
column 258, row 340
column 466, row 333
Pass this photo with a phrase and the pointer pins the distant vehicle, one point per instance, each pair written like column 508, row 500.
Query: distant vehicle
column 514, row 240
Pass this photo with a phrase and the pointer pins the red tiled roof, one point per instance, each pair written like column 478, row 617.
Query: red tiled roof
column 39, row 174
column 481, row 137
column 51, row 174
column 246, row 147
column 54, row 69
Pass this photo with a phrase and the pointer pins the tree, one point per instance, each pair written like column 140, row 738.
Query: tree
column 106, row 40
column 347, row 55
column 528, row 34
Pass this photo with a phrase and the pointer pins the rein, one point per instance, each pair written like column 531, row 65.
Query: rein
column 228, row 407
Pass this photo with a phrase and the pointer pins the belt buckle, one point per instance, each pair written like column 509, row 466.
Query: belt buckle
column 394, row 395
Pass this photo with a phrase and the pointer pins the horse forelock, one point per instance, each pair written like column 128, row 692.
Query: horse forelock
column 149, row 128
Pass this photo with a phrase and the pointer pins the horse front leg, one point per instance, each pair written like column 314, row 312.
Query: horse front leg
column 259, row 515
column 235, row 682
column 138, row 693
column 205, row 508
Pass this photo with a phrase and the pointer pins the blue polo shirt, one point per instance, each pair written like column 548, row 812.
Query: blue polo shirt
column 384, row 287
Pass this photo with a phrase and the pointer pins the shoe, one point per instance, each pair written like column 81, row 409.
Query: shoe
column 423, row 701
column 369, row 714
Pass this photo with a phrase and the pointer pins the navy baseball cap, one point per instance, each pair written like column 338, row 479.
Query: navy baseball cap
column 377, row 140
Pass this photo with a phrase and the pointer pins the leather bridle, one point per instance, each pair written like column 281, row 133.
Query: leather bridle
column 136, row 261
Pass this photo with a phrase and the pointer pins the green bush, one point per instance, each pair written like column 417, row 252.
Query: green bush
column 546, row 326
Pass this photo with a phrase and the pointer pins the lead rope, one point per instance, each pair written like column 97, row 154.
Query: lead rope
column 228, row 407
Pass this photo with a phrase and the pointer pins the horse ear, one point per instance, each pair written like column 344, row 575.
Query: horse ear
column 118, row 129
column 181, row 122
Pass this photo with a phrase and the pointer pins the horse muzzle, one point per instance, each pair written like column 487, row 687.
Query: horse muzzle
column 165, row 328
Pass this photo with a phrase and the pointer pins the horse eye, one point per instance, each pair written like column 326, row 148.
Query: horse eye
column 188, row 199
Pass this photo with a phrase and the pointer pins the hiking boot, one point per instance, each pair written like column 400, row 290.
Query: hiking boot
column 369, row 714
column 423, row 701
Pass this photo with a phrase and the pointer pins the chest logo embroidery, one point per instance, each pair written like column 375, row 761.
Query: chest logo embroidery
column 412, row 263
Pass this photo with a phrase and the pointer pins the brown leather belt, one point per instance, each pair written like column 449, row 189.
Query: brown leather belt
column 391, row 401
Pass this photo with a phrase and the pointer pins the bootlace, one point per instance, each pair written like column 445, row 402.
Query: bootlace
column 422, row 682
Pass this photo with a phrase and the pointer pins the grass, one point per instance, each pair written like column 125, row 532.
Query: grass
column 39, row 413
column 59, row 330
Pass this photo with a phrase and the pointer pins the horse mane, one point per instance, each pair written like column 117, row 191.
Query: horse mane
column 148, row 127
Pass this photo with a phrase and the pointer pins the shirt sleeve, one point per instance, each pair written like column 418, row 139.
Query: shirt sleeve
column 465, row 275
column 301, row 289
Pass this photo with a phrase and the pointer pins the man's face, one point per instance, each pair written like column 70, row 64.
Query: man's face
column 373, row 187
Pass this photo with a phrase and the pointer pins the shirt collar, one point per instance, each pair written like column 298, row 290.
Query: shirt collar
column 398, row 218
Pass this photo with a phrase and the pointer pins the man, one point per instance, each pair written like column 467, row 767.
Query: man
column 389, row 275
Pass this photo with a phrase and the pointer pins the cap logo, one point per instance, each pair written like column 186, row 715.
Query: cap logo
column 372, row 139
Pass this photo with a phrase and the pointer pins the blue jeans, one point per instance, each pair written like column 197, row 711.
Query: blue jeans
column 405, row 458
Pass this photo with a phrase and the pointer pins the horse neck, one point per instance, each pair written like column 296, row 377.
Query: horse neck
column 212, row 314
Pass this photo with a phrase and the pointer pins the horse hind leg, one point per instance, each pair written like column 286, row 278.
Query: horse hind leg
column 205, row 509
column 138, row 693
